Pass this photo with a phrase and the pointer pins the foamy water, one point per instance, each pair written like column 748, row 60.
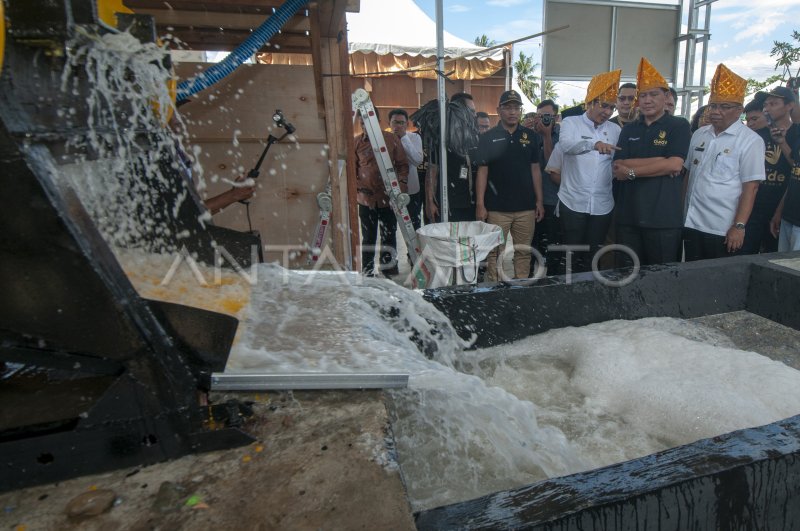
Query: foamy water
column 474, row 422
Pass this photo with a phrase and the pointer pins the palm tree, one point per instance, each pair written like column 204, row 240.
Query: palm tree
column 484, row 41
column 529, row 82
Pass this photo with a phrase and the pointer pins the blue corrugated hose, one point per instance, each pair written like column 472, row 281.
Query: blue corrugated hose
column 245, row 50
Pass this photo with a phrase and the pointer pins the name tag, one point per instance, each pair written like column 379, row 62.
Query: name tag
column 463, row 173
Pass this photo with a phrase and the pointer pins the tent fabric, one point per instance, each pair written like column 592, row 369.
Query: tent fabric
column 398, row 22
column 396, row 49
column 372, row 64
column 387, row 36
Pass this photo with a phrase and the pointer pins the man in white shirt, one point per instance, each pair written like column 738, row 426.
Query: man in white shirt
column 412, row 143
column 725, row 165
column 588, row 143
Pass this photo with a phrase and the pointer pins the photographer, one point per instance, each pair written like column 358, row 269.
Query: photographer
column 544, row 122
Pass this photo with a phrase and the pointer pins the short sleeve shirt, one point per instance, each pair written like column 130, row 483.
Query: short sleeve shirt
column 652, row 202
column 778, row 171
column 718, row 166
column 509, row 157
column 791, row 206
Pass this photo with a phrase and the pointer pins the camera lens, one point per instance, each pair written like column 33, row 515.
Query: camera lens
column 547, row 119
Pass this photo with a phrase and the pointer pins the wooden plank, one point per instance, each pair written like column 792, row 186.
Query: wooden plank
column 214, row 39
column 239, row 107
column 316, row 59
column 284, row 209
column 243, row 103
column 223, row 6
column 339, row 128
column 210, row 19
column 346, row 112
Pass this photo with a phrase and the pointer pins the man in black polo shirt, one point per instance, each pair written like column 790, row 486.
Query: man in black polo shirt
column 648, row 167
column 509, row 183
column 778, row 104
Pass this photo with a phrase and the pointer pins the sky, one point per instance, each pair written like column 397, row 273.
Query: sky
column 742, row 31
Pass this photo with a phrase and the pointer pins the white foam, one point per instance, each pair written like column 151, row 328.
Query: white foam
column 473, row 422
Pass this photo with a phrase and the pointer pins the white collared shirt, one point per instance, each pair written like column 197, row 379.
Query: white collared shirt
column 412, row 143
column 586, row 175
column 718, row 165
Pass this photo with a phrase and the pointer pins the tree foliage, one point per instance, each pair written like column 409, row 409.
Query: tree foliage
column 787, row 56
column 529, row 83
column 755, row 86
column 484, row 41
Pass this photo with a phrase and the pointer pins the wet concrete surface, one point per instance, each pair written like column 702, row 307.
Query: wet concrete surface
column 323, row 460
column 754, row 333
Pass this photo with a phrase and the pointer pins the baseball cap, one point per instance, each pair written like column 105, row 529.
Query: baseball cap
column 782, row 92
column 510, row 95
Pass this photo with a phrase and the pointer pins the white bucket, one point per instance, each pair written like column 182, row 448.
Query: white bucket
column 452, row 252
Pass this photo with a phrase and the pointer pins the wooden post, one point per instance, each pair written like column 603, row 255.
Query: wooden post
column 334, row 81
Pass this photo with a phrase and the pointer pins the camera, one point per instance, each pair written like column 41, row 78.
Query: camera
column 547, row 119
column 280, row 121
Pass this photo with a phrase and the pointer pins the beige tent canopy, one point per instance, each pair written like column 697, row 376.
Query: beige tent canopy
column 394, row 36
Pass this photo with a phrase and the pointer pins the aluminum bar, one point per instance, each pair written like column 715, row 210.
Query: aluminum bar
column 221, row 381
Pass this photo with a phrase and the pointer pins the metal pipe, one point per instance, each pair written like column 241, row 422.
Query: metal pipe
column 444, row 206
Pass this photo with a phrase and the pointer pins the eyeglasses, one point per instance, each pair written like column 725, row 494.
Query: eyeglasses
column 399, row 122
column 626, row 98
column 725, row 107
column 508, row 107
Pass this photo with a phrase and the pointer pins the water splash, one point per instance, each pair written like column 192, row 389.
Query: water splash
column 120, row 155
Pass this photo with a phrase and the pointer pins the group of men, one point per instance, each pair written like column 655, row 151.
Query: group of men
column 641, row 179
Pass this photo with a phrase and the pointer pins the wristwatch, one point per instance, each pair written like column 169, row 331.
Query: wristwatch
column 631, row 174
column 739, row 225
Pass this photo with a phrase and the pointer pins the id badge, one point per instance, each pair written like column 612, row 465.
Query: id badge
column 463, row 174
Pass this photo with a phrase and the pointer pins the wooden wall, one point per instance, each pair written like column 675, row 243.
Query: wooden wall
column 230, row 122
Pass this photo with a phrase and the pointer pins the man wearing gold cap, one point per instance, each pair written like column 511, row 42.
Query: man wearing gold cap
column 649, row 212
column 588, row 143
column 725, row 165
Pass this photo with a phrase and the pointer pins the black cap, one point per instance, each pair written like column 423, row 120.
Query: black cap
column 760, row 97
column 782, row 92
column 510, row 95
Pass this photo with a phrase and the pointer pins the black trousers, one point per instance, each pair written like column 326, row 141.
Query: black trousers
column 548, row 232
column 703, row 246
column 651, row 246
column 371, row 220
column 757, row 236
column 580, row 228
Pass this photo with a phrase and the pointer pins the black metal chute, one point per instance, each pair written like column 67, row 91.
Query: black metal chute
column 98, row 377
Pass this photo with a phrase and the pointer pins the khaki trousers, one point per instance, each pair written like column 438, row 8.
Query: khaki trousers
column 521, row 225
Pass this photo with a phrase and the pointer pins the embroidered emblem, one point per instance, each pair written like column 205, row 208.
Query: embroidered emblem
column 661, row 140
column 772, row 153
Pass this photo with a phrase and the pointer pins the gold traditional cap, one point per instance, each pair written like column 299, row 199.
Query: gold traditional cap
column 603, row 87
column 647, row 77
column 727, row 86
